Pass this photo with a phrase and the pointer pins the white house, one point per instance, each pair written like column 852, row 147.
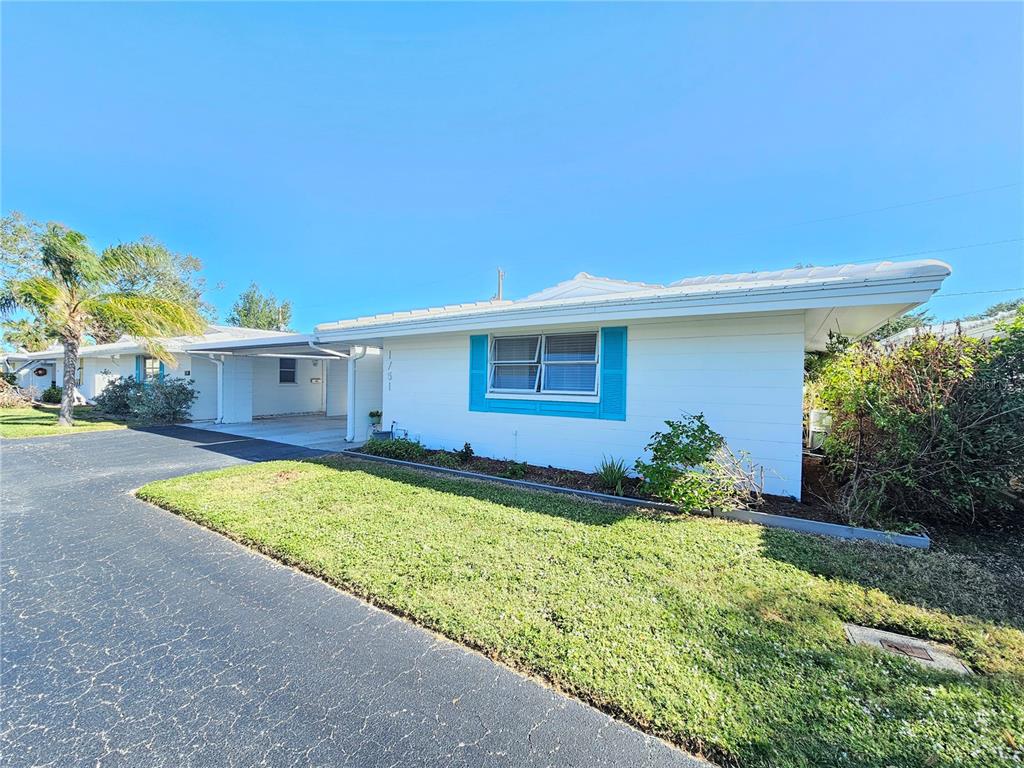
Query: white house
column 303, row 389
column 588, row 368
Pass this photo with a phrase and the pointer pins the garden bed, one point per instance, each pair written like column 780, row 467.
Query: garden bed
column 813, row 510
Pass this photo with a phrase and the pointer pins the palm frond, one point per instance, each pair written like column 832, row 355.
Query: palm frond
column 67, row 256
column 147, row 318
column 39, row 295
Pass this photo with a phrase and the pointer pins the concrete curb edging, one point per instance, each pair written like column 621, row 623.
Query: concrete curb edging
column 798, row 524
column 835, row 530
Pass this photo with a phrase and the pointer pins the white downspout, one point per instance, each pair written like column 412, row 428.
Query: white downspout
column 350, row 425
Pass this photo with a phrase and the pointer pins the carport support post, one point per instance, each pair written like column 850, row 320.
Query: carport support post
column 350, row 423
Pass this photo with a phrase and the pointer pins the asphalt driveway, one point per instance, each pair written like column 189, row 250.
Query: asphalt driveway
column 132, row 637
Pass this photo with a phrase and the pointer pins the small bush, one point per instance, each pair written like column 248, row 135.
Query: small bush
column 465, row 453
column 516, row 470
column 9, row 377
column 612, row 474
column 395, row 448
column 116, row 397
column 447, row 460
column 52, row 394
column 162, row 400
column 691, row 466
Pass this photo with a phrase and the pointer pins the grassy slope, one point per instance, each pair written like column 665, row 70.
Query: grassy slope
column 42, row 420
column 719, row 636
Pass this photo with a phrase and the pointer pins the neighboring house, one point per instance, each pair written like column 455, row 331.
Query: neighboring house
column 101, row 363
column 985, row 328
column 590, row 367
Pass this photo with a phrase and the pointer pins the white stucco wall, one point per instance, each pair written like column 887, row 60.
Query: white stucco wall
column 744, row 373
column 368, row 394
column 97, row 372
column 26, row 377
column 271, row 398
column 237, row 389
column 337, row 387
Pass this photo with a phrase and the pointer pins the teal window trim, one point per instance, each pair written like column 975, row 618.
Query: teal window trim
column 610, row 404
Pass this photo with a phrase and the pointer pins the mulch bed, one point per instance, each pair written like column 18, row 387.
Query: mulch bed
column 812, row 509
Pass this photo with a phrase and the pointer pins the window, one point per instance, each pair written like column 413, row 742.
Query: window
column 78, row 372
column 150, row 368
column 286, row 370
column 564, row 363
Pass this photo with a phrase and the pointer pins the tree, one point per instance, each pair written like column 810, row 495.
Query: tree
column 27, row 335
column 19, row 245
column 997, row 309
column 76, row 291
column 154, row 270
column 150, row 268
column 917, row 319
column 258, row 310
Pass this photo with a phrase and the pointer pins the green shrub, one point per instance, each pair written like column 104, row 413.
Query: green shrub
column 9, row 378
column 691, row 466
column 465, row 453
column 929, row 431
column 447, row 460
column 612, row 474
column 116, row 397
column 395, row 448
column 516, row 470
column 164, row 400
column 52, row 394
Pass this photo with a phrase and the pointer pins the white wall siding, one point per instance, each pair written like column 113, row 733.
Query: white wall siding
column 337, row 387
column 368, row 396
column 26, row 378
column 271, row 398
column 237, row 389
column 744, row 373
column 203, row 373
column 97, row 372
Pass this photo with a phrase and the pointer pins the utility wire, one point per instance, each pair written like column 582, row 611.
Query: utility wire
column 905, row 205
column 925, row 253
column 975, row 293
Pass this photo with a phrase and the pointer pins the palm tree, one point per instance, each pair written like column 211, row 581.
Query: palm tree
column 76, row 292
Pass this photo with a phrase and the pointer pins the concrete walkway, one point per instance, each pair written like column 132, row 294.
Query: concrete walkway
column 132, row 637
column 323, row 433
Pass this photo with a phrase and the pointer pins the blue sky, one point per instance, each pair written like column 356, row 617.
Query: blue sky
column 363, row 158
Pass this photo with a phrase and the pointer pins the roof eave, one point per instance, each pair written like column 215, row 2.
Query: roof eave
column 912, row 291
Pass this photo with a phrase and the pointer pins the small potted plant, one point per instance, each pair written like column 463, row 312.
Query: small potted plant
column 375, row 417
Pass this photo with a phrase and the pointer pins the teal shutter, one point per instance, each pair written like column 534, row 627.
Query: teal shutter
column 613, row 374
column 138, row 367
column 161, row 371
column 478, row 373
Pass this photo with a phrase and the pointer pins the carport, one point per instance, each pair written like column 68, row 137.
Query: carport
column 293, row 390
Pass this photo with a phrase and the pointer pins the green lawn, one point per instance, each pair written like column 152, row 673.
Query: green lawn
column 40, row 420
column 725, row 638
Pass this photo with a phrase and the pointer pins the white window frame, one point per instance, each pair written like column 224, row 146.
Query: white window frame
column 295, row 371
column 539, row 392
column 146, row 360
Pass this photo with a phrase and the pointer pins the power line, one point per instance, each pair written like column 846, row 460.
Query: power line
column 933, row 250
column 905, row 205
column 975, row 293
